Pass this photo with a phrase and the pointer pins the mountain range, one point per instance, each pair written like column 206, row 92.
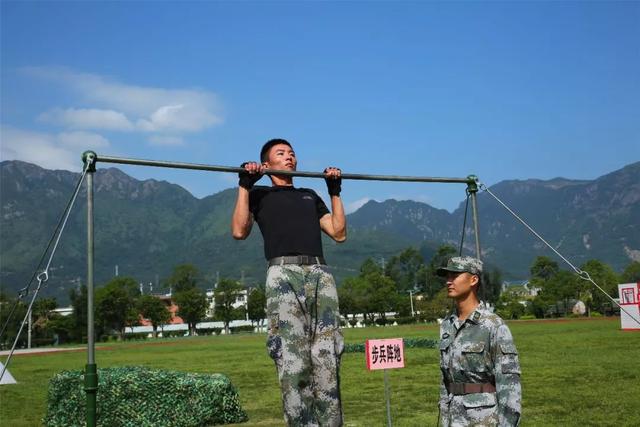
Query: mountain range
column 147, row 227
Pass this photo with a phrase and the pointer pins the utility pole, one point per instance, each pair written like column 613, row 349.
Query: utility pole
column 411, row 299
column 29, row 329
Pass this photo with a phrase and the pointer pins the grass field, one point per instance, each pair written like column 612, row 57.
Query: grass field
column 575, row 373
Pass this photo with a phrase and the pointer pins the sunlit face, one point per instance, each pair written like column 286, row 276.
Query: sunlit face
column 460, row 285
column 281, row 157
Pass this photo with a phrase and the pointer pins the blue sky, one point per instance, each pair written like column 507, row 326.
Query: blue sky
column 503, row 90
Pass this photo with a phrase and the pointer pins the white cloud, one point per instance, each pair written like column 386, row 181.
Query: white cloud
column 60, row 151
column 355, row 205
column 151, row 109
column 166, row 140
column 38, row 148
column 87, row 118
column 82, row 140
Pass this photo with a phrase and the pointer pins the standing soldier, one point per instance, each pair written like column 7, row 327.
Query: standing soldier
column 302, row 301
column 478, row 359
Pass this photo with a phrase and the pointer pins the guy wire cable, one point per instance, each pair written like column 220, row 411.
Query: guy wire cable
column 464, row 222
column 44, row 275
column 582, row 274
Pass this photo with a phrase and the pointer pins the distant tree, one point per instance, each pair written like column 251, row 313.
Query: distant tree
column 370, row 266
column 354, row 295
column 192, row 306
column 12, row 324
column 155, row 310
column 433, row 282
column 631, row 273
column 554, row 286
column 116, row 304
column 436, row 307
column 44, row 307
column 491, row 285
column 556, row 293
column 78, row 300
column 42, row 313
column 404, row 268
column 257, row 305
column 605, row 277
column 544, row 268
column 61, row 327
column 403, row 304
column 184, row 277
column 509, row 304
column 226, row 294
column 347, row 301
column 383, row 295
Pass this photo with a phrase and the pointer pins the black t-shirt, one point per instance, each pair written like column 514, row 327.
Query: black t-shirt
column 289, row 220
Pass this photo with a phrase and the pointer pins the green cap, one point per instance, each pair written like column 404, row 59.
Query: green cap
column 459, row 264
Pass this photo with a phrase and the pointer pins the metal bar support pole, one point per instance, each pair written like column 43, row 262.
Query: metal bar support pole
column 472, row 187
column 91, row 371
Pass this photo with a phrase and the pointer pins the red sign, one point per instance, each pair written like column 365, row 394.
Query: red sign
column 385, row 354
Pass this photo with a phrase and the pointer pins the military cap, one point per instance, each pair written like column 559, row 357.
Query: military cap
column 459, row 264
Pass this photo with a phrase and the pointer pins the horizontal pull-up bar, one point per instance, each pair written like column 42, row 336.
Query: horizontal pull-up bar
column 471, row 179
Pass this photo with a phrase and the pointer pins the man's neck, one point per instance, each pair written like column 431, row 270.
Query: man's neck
column 466, row 306
column 281, row 180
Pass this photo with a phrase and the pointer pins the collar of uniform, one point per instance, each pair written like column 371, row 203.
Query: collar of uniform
column 452, row 317
column 476, row 314
column 474, row 317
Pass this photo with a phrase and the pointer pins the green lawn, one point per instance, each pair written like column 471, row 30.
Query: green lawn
column 578, row 372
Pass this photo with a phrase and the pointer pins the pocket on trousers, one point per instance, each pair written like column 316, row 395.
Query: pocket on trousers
column 274, row 347
column 274, row 341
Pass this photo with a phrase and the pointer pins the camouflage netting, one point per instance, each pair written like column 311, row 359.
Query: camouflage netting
column 408, row 343
column 136, row 396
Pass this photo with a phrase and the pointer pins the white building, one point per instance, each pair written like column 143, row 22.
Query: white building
column 242, row 300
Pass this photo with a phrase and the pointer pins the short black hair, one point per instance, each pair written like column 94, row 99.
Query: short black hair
column 264, row 153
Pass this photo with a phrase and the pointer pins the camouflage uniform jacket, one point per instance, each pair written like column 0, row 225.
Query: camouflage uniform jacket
column 480, row 350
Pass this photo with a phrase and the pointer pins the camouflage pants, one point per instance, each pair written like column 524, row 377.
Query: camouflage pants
column 305, row 342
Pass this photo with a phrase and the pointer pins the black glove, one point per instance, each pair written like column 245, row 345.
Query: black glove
column 333, row 185
column 247, row 179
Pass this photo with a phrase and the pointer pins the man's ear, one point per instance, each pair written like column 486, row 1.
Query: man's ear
column 475, row 280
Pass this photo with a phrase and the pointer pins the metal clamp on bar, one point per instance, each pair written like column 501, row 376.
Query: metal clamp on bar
column 472, row 184
column 89, row 159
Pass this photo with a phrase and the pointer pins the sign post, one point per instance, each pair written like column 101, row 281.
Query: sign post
column 629, row 294
column 385, row 354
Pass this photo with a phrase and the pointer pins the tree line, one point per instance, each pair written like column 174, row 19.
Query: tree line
column 559, row 290
column 120, row 304
column 406, row 285
column 407, row 280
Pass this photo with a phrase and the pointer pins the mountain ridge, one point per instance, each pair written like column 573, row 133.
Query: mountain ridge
column 147, row 227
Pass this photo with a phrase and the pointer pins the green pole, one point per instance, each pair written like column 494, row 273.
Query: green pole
column 472, row 188
column 91, row 370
